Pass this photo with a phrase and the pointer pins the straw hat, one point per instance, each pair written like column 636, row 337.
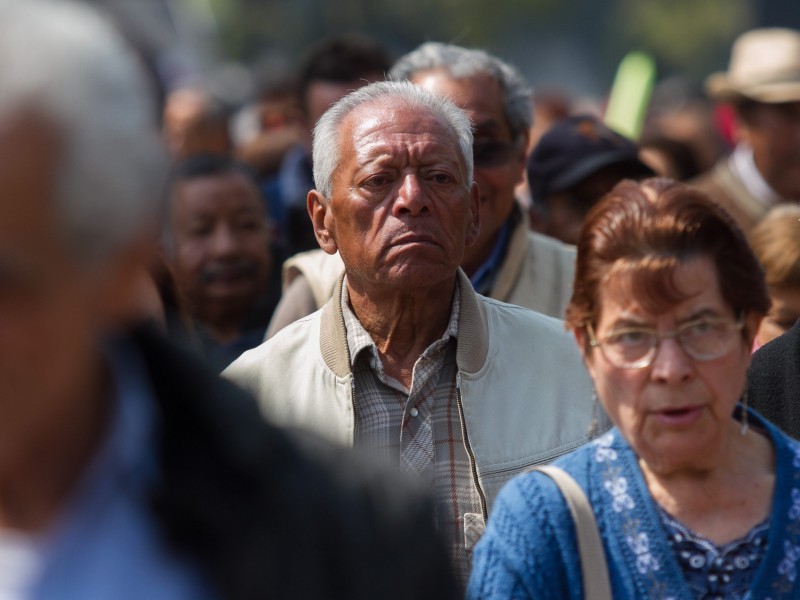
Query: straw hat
column 765, row 67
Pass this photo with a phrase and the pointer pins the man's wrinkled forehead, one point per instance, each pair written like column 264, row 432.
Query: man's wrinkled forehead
column 393, row 115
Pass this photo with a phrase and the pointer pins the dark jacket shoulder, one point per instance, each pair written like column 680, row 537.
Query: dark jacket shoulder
column 264, row 515
column 774, row 381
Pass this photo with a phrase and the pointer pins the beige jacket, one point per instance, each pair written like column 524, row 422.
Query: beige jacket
column 523, row 392
column 723, row 186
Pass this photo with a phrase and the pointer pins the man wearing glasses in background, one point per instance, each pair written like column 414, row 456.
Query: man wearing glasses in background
column 508, row 262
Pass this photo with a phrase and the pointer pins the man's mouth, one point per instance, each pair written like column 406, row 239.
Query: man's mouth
column 228, row 273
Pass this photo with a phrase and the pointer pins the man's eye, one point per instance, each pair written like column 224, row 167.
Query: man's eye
column 442, row 178
column 376, row 181
column 248, row 225
column 200, row 230
column 785, row 324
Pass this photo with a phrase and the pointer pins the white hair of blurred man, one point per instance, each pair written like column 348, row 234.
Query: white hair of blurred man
column 462, row 63
column 92, row 89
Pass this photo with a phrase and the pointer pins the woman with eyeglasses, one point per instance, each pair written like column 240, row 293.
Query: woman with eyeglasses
column 694, row 495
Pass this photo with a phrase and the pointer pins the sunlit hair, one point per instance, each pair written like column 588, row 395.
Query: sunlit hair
column 326, row 151
column 64, row 63
column 776, row 243
column 641, row 232
column 461, row 63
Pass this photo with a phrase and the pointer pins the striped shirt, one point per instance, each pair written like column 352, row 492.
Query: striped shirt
column 420, row 429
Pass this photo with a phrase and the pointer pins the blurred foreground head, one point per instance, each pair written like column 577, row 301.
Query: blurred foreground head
column 80, row 167
column 66, row 74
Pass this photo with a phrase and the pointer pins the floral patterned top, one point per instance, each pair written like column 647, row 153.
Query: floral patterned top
column 530, row 551
column 715, row 572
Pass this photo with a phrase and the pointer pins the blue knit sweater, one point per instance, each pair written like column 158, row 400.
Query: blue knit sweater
column 529, row 549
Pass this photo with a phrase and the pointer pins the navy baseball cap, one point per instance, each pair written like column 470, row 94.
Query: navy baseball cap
column 574, row 149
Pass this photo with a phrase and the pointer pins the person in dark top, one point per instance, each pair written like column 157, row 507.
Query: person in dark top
column 774, row 381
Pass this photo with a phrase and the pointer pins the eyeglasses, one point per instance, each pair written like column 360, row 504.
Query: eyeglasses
column 490, row 154
column 636, row 347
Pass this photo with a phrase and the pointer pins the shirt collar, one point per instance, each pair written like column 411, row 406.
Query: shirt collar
column 743, row 164
column 358, row 338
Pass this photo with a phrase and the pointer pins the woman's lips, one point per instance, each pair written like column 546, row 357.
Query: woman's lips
column 679, row 417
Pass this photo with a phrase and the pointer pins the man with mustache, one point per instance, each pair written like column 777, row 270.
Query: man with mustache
column 406, row 359
column 218, row 252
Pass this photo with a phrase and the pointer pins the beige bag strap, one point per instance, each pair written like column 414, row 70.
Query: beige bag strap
column 594, row 569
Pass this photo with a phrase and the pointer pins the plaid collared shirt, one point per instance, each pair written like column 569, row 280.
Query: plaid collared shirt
column 420, row 429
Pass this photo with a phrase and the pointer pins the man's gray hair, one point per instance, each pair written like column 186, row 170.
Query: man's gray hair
column 461, row 63
column 326, row 151
column 65, row 63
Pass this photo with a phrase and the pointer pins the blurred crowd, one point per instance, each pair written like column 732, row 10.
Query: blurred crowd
column 740, row 149
column 205, row 308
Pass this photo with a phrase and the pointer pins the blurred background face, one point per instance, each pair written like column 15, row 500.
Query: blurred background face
column 503, row 167
column 220, row 242
column 567, row 210
column 783, row 313
column 191, row 127
column 773, row 131
column 321, row 95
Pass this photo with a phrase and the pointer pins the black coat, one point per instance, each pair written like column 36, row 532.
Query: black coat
column 774, row 381
column 263, row 517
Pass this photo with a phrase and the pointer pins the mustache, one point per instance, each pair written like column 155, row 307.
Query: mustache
column 239, row 268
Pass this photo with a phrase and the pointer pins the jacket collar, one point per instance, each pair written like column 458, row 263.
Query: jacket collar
column 473, row 332
column 516, row 253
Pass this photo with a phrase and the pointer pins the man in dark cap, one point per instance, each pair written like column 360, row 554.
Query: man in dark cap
column 575, row 164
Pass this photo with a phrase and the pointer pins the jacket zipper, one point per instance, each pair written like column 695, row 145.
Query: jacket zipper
column 481, row 495
column 355, row 406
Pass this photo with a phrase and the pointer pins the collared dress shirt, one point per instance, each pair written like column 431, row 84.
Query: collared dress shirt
column 420, row 428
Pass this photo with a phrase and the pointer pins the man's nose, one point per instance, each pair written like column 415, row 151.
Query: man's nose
column 224, row 241
column 412, row 196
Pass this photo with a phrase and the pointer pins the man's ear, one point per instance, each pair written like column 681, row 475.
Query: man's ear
column 322, row 220
column 474, row 226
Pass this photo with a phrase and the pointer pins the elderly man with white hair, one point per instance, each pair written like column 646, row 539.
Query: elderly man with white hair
column 406, row 360
column 126, row 469
column 507, row 262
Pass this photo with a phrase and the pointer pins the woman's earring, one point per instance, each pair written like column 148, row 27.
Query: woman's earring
column 594, row 426
column 745, row 426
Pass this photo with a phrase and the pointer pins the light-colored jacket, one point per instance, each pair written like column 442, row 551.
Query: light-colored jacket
column 536, row 273
column 724, row 186
column 524, row 396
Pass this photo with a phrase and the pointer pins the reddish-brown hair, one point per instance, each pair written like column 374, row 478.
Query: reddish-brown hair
column 645, row 230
